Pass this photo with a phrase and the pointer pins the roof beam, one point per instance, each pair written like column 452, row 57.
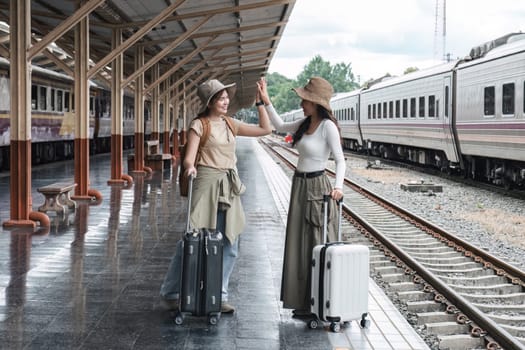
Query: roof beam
column 222, row 10
column 177, row 66
column 63, row 27
column 168, row 49
column 135, row 37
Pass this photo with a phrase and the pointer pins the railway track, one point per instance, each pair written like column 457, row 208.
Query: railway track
column 513, row 192
column 458, row 294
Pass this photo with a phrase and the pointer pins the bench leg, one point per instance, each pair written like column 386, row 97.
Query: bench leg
column 65, row 199
column 52, row 203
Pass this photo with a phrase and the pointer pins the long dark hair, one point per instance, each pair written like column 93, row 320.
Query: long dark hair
column 324, row 114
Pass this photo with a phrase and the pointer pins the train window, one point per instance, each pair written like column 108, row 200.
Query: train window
column 42, row 98
column 431, row 105
column 391, row 109
column 489, row 99
column 53, row 99
column 91, row 105
column 60, row 100
column 405, row 108
column 384, row 110
column 379, row 110
column 413, row 107
column 446, row 101
column 398, row 107
column 5, row 98
column 507, row 101
column 374, row 111
column 369, row 112
column 422, row 107
column 34, row 97
column 66, row 101
column 523, row 95
column 352, row 113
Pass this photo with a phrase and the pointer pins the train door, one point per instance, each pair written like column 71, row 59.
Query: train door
column 448, row 121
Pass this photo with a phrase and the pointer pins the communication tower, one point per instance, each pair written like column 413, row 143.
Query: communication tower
column 440, row 30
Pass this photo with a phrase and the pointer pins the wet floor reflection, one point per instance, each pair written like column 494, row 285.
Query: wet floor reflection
column 93, row 280
column 135, row 234
column 78, row 287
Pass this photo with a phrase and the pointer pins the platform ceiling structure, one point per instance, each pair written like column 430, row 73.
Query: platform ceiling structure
column 233, row 40
column 161, row 50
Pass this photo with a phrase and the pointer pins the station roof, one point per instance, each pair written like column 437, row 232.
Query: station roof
column 230, row 40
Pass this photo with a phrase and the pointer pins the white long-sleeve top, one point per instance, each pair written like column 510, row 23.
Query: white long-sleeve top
column 314, row 149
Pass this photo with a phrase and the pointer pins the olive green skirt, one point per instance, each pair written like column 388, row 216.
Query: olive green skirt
column 304, row 230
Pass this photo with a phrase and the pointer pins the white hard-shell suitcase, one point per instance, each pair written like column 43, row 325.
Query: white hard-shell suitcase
column 339, row 288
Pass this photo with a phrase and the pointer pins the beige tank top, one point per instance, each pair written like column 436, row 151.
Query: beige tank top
column 219, row 150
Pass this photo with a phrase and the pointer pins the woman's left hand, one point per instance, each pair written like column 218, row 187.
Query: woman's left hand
column 337, row 194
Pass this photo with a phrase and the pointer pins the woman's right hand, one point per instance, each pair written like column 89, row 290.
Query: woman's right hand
column 263, row 91
column 191, row 171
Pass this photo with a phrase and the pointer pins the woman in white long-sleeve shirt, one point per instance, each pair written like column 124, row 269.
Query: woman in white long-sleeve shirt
column 315, row 137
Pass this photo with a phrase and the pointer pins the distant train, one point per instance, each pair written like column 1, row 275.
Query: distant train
column 464, row 116
column 53, row 117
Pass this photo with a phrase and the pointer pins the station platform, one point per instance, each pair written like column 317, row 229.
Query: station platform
column 93, row 280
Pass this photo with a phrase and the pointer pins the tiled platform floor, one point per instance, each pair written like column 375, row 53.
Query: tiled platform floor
column 92, row 282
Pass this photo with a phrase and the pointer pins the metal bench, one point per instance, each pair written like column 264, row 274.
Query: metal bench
column 152, row 147
column 159, row 161
column 58, row 196
column 154, row 158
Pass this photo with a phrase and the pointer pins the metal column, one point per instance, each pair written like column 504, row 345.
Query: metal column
column 20, row 146
column 82, row 191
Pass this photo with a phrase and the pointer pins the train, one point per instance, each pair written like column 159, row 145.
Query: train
column 466, row 116
column 53, row 116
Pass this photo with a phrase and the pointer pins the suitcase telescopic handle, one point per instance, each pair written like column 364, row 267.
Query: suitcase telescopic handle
column 326, row 198
column 190, row 190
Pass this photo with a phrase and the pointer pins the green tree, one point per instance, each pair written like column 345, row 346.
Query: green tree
column 410, row 70
column 340, row 75
column 280, row 90
column 284, row 99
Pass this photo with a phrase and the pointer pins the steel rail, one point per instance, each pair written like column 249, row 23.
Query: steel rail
column 500, row 335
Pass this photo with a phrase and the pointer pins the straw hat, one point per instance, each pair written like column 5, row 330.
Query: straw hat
column 318, row 90
column 208, row 89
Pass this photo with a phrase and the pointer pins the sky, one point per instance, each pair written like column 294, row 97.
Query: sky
column 386, row 36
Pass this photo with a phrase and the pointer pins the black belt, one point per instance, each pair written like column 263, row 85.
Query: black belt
column 309, row 175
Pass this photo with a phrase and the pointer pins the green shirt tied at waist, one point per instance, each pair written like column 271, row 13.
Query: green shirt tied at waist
column 218, row 187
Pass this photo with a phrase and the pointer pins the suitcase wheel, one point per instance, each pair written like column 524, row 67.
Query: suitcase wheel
column 335, row 327
column 312, row 324
column 212, row 320
column 365, row 323
column 179, row 319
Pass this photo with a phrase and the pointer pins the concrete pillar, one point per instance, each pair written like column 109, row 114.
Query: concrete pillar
column 20, row 143
column 167, row 117
column 116, row 114
column 82, row 190
column 138, row 159
column 155, row 104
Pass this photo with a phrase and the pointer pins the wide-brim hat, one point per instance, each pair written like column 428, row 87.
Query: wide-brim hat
column 209, row 88
column 317, row 90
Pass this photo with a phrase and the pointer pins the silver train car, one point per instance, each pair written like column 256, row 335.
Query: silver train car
column 409, row 117
column 346, row 111
column 53, row 117
column 466, row 116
